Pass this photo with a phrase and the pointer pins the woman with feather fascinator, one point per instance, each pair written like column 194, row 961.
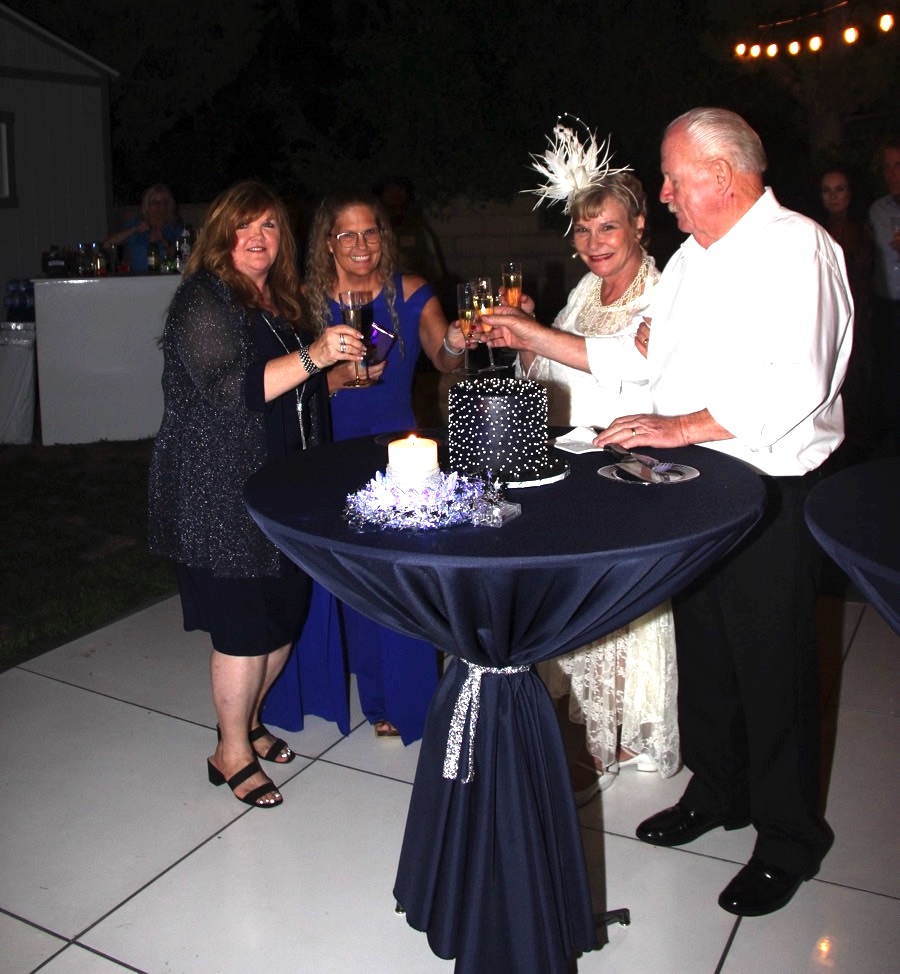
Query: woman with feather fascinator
column 623, row 687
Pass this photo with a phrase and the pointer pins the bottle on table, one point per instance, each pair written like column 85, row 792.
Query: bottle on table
column 98, row 259
column 83, row 265
column 182, row 249
column 152, row 258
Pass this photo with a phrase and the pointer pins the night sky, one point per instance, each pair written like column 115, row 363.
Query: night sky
column 453, row 93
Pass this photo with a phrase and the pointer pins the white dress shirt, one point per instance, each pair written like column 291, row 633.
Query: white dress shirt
column 757, row 329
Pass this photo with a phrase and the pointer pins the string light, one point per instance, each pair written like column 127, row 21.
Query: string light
column 817, row 40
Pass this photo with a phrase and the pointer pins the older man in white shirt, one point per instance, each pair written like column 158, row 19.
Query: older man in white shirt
column 751, row 331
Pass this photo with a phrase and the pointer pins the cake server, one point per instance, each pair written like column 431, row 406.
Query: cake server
column 642, row 467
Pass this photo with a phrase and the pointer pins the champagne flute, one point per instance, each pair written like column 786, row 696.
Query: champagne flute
column 511, row 276
column 352, row 305
column 465, row 312
column 483, row 299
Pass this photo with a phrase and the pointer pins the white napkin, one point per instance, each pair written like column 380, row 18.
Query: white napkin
column 578, row 440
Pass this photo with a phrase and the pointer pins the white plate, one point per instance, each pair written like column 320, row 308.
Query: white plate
column 679, row 473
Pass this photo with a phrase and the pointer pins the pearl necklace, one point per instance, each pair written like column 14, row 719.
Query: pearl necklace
column 596, row 318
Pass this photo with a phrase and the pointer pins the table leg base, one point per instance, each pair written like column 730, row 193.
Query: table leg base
column 607, row 919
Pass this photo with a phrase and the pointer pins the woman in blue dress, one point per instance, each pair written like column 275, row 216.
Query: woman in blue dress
column 352, row 248
column 158, row 224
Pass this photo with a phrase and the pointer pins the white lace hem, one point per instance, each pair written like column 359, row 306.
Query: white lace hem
column 628, row 678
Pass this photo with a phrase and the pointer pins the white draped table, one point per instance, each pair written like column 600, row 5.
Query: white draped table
column 99, row 363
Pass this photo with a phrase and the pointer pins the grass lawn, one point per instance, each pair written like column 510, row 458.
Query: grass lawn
column 73, row 529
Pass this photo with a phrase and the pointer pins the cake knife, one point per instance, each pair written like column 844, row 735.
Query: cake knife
column 635, row 465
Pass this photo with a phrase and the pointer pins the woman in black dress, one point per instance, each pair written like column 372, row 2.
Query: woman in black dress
column 242, row 385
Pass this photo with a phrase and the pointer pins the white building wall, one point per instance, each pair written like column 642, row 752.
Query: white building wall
column 58, row 103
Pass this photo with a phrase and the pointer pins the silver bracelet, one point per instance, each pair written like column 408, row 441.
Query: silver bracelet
column 452, row 351
column 307, row 361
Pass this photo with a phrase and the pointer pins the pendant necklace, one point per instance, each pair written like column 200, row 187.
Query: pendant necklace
column 296, row 388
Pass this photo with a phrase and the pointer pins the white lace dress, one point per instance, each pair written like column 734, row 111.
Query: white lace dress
column 629, row 678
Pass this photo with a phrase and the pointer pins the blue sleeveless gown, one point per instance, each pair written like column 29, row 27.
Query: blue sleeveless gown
column 395, row 674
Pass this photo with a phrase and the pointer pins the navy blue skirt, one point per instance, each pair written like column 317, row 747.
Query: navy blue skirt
column 244, row 616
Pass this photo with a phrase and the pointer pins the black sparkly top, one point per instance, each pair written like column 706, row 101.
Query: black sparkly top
column 217, row 430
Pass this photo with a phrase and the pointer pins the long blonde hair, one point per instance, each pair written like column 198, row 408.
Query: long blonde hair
column 245, row 201
column 321, row 269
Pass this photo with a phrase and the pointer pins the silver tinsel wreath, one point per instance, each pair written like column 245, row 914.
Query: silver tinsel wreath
column 446, row 500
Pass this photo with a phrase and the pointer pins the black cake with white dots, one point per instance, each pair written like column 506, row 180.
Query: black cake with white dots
column 499, row 426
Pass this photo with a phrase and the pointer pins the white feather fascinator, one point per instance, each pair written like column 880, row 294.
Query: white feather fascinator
column 570, row 165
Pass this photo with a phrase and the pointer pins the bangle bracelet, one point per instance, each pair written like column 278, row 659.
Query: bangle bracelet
column 450, row 350
column 307, row 361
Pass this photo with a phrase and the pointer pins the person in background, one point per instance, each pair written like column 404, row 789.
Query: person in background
column 418, row 251
column 884, row 218
column 751, row 326
column 352, row 247
column 158, row 224
column 242, row 384
column 844, row 217
column 622, row 687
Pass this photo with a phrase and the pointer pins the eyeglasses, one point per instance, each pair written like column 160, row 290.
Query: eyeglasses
column 350, row 238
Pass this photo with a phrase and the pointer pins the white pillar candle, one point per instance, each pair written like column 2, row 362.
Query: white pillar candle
column 412, row 460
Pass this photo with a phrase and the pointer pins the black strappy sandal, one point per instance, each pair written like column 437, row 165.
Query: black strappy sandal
column 279, row 749
column 254, row 797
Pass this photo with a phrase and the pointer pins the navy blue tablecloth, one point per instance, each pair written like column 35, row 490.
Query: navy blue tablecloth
column 493, row 868
column 855, row 516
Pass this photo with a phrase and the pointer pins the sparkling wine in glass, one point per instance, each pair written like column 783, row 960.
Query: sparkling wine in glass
column 511, row 276
column 354, row 312
column 465, row 313
column 483, row 300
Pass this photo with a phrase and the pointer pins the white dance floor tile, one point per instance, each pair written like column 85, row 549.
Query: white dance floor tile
column 676, row 924
column 304, row 888
column 825, row 928
column 24, row 947
column 870, row 679
column 377, row 755
column 147, row 659
column 77, row 960
column 862, row 805
column 99, row 797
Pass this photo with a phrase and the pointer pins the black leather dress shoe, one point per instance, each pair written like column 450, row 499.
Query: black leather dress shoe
column 678, row 825
column 759, row 889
